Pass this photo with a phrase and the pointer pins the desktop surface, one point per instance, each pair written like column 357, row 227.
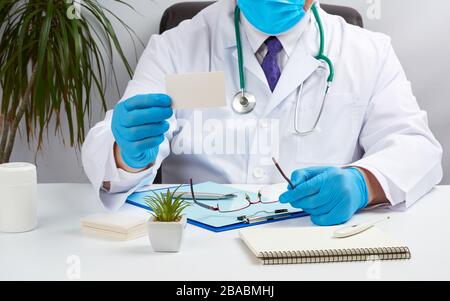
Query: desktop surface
column 50, row 251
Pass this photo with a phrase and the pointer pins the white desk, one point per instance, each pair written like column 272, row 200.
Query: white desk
column 42, row 253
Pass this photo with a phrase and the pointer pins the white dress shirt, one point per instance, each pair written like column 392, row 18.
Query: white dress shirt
column 288, row 39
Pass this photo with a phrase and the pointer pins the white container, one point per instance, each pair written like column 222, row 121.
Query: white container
column 18, row 197
column 166, row 236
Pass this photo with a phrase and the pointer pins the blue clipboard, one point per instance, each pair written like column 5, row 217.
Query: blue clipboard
column 220, row 222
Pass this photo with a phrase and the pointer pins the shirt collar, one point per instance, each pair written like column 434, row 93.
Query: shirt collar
column 288, row 39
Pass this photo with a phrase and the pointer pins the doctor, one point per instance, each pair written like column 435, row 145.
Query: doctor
column 367, row 143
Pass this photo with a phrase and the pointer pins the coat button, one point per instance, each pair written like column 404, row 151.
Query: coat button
column 263, row 123
column 259, row 173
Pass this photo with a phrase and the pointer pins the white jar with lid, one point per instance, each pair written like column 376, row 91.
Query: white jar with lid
column 18, row 197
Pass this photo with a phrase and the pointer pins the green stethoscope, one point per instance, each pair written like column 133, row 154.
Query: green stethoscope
column 244, row 102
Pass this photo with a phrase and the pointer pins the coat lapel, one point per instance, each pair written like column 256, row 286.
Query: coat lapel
column 251, row 63
column 299, row 67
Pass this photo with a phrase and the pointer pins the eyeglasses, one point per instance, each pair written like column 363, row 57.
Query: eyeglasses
column 248, row 203
column 217, row 208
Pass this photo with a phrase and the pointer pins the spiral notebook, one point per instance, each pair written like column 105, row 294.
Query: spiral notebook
column 317, row 245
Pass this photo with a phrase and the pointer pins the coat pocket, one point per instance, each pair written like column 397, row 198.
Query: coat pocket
column 336, row 140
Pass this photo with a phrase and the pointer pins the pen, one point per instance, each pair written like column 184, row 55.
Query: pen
column 205, row 196
column 252, row 220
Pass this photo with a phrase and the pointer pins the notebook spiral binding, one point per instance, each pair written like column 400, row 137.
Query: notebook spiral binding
column 339, row 255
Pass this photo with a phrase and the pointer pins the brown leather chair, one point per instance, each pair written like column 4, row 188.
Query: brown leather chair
column 186, row 10
column 179, row 12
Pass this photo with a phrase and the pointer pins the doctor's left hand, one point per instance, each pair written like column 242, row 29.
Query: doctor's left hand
column 330, row 195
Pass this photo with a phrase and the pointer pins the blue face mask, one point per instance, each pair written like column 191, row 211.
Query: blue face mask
column 273, row 17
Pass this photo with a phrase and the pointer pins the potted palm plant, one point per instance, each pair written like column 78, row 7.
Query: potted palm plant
column 167, row 222
column 54, row 57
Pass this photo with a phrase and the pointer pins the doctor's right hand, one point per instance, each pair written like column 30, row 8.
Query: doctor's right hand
column 138, row 125
column 331, row 195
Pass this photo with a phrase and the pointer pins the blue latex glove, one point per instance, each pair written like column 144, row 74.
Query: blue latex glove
column 138, row 125
column 330, row 195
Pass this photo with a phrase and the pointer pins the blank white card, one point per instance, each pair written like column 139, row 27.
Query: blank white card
column 196, row 90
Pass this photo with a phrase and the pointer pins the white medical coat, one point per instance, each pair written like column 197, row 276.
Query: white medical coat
column 371, row 118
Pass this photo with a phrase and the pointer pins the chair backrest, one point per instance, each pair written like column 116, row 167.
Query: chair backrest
column 179, row 12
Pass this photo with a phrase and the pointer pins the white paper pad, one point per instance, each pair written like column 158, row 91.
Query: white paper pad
column 128, row 223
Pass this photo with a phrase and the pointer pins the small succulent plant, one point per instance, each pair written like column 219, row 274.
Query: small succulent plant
column 166, row 207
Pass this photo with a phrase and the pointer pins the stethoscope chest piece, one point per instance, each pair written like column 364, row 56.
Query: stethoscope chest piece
column 244, row 102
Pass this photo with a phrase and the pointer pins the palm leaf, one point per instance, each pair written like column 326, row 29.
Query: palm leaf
column 52, row 66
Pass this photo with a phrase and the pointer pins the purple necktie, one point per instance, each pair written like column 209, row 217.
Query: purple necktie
column 270, row 62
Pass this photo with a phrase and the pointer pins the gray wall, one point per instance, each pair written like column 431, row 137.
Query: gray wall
column 419, row 31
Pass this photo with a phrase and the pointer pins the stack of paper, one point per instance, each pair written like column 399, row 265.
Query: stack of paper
column 122, row 225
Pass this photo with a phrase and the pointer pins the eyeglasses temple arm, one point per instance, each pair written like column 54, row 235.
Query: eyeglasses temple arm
column 282, row 173
column 198, row 203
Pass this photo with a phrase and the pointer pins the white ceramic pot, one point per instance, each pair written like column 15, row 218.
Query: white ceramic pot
column 166, row 236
